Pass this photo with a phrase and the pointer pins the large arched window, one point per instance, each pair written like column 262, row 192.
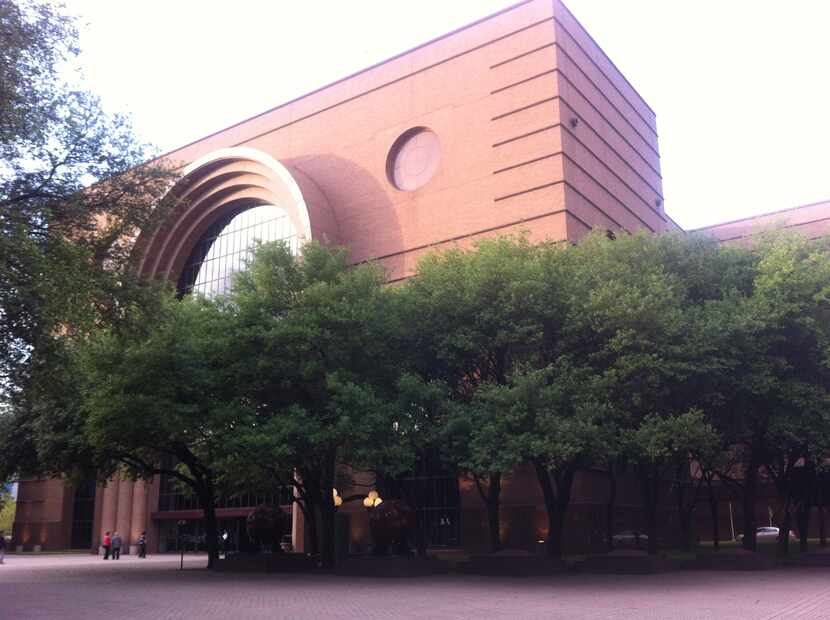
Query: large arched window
column 226, row 246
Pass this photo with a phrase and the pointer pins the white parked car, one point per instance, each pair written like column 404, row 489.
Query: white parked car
column 768, row 533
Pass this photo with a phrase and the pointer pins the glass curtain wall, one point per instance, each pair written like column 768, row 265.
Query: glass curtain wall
column 227, row 245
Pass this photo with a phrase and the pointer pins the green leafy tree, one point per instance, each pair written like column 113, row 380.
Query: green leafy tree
column 661, row 445
column 72, row 200
column 476, row 430
column 161, row 399
column 636, row 323
column 774, row 342
column 468, row 317
column 708, row 466
column 549, row 419
column 421, row 442
column 8, row 508
column 313, row 337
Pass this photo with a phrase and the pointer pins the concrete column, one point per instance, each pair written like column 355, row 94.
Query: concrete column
column 125, row 512
column 139, row 517
column 297, row 528
column 110, row 506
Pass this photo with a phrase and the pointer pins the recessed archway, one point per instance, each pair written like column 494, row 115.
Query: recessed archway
column 224, row 183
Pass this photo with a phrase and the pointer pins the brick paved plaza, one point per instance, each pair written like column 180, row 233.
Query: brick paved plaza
column 70, row 587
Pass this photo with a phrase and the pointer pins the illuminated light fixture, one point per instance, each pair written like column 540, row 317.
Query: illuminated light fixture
column 372, row 500
column 338, row 501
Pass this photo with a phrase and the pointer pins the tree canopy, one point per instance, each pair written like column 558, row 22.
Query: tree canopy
column 74, row 195
column 73, row 192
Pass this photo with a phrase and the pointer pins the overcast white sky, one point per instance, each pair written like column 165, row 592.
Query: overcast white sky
column 741, row 88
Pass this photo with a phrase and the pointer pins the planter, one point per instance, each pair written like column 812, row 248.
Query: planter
column 734, row 559
column 625, row 562
column 819, row 557
column 513, row 563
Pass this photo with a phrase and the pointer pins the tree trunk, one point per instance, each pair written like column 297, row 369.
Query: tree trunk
column 684, row 512
column 750, row 488
column 208, row 500
column 420, row 526
column 783, row 547
column 554, row 546
column 609, row 507
column 327, row 547
column 650, row 485
column 803, row 526
column 685, row 517
column 556, row 504
column 312, row 531
column 327, row 518
column 713, row 511
column 493, row 505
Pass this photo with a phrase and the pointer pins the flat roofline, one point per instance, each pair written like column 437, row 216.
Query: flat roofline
column 355, row 74
column 673, row 221
column 754, row 217
column 608, row 58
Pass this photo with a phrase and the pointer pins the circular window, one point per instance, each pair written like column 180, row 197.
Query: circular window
column 413, row 159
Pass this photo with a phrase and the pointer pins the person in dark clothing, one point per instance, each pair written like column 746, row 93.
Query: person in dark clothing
column 2, row 546
column 142, row 545
column 107, row 545
column 116, row 546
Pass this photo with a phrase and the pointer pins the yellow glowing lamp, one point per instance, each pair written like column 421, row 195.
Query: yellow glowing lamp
column 373, row 495
column 334, row 493
column 338, row 501
column 378, row 502
column 368, row 502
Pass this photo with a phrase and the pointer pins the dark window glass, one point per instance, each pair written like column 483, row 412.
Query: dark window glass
column 433, row 488
column 173, row 497
column 83, row 514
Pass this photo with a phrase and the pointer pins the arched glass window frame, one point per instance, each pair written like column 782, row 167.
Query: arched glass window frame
column 234, row 246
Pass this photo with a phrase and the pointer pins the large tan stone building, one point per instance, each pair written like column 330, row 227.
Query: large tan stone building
column 517, row 122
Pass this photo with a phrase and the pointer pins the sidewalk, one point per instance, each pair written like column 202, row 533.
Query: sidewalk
column 84, row 587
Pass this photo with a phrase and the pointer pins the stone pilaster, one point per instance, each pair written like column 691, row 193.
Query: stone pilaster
column 297, row 528
column 125, row 512
column 109, row 509
column 139, row 516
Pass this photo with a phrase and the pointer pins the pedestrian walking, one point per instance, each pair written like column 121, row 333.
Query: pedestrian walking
column 107, row 545
column 142, row 545
column 116, row 546
column 2, row 546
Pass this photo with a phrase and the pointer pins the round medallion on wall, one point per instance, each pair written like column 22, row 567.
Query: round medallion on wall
column 413, row 159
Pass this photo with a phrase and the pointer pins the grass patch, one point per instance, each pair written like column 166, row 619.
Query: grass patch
column 7, row 516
